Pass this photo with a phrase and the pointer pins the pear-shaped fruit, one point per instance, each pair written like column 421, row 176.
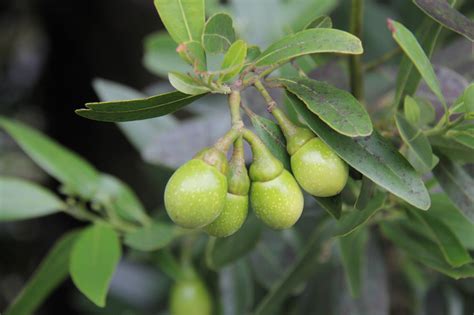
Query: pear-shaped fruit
column 190, row 297
column 231, row 218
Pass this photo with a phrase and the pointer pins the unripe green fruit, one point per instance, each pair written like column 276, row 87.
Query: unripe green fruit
column 277, row 202
column 318, row 169
column 195, row 195
column 231, row 218
column 190, row 297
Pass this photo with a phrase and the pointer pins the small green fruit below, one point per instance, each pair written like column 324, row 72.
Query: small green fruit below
column 190, row 297
column 318, row 169
column 231, row 218
column 277, row 202
column 195, row 195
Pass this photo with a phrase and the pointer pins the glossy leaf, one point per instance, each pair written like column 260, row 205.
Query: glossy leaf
column 137, row 109
column 323, row 21
column 21, row 199
column 318, row 40
column 443, row 13
column 218, row 33
column 183, row 19
column 372, row 156
column 152, row 237
column 94, row 257
column 417, row 141
column 414, row 51
column 234, row 60
column 52, row 271
column 457, row 184
column 186, row 84
column 337, row 108
column 67, row 167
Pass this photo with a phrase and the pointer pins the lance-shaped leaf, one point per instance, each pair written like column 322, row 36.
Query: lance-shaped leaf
column 337, row 108
column 186, row 84
column 323, row 21
column 311, row 41
column 407, row 41
column 411, row 110
column 441, row 11
column 193, row 53
column 183, row 19
column 373, row 156
column 333, row 205
column 21, row 199
column 152, row 237
column 367, row 190
column 67, row 167
column 234, row 60
column 137, row 109
column 218, row 33
column 457, row 184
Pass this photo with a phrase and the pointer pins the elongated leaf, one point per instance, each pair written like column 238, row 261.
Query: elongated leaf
column 273, row 138
column 218, row 33
column 21, row 199
column 352, row 248
column 417, row 141
column 52, row 271
column 66, row 166
column 453, row 150
column 337, row 108
column 94, row 257
column 366, row 193
column 183, row 19
column 441, row 11
column 253, row 52
column 414, row 51
column 234, row 60
column 457, row 184
column 468, row 98
column 137, row 109
column 186, row 84
column 318, row 40
column 152, row 237
column 323, row 21
column 411, row 110
column 451, row 247
column 333, row 205
column 193, row 53
column 462, row 136
column 374, row 157
column 236, row 288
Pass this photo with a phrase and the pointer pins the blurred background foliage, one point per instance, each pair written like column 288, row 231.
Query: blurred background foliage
column 57, row 55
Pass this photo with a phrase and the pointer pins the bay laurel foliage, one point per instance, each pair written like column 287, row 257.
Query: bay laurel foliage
column 400, row 174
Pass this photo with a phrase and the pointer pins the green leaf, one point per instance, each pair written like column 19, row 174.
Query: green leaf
column 234, row 60
column 323, row 21
column 253, row 52
column 443, row 13
column 137, row 109
column 318, row 40
column 337, row 108
column 21, row 199
column 366, row 193
column 117, row 195
column 183, row 19
column 218, row 33
column 355, row 219
column 94, row 258
column 193, row 53
column 223, row 251
column 469, row 98
column 333, row 205
column 273, row 138
column 52, row 271
column 352, row 248
column 236, row 288
column 372, row 156
column 160, row 56
column 452, row 149
column 411, row 110
column 457, row 184
column 449, row 244
column 407, row 41
column 462, row 136
column 152, row 237
column 186, row 84
column 64, row 165
column 416, row 140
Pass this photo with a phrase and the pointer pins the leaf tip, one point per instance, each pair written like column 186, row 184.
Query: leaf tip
column 390, row 25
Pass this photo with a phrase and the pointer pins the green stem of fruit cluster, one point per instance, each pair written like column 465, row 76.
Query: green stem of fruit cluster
column 224, row 143
column 271, row 104
column 234, row 105
column 355, row 62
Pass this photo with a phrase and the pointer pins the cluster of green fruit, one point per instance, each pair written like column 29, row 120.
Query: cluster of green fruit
column 212, row 194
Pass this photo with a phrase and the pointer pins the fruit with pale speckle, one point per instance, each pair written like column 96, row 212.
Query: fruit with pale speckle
column 190, row 297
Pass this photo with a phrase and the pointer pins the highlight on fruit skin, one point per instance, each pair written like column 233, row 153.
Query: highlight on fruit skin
column 190, row 296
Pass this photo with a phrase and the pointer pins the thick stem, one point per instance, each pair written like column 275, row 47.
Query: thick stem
column 355, row 63
column 224, row 143
column 234, row 105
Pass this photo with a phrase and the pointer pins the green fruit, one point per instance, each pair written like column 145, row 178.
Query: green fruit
column 190, row 297
column 195, row 195
column 318, row 169
column 231, row 218
column 278, row 202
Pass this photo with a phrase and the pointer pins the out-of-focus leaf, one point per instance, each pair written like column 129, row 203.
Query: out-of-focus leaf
column 469, row 98
column 366, row 193
column 183, row 19
column 463, row 134
column 66, row 166
column 411, row 110
column 253, row 52
column 218, row 33
column 234, row 60
column 457, row 184
column 52, row 271
column 236, row 288
column 449, row 17
column 337, row 108
column 453, row 150
column 302, row 12
column 186, row 84
column 94, row 258
column 152, row 237
column 374, row 157
column 323, row 21
column 333, row 205
column 193, row 53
